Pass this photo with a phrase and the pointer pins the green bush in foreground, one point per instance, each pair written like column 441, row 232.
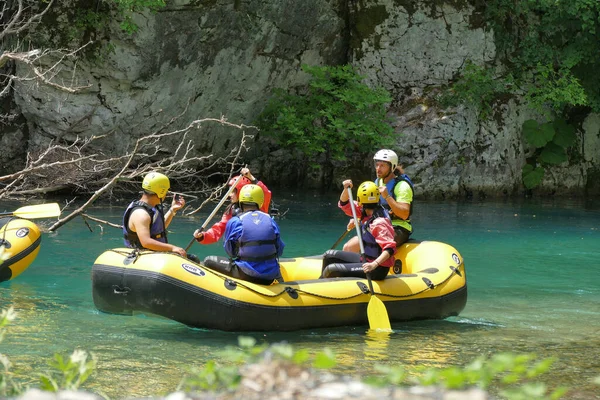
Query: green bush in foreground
column 64, row 374
column 504, row 371
column 8, row 385
column 216, row 377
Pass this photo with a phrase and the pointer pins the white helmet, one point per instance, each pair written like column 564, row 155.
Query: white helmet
column 387, row 155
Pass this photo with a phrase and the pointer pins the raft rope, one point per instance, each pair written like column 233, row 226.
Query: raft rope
column 288, row 289
column 430, row 285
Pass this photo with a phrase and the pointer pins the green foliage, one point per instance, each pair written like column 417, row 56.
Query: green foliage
column 70, row 373
column 8, row 385
column 336, row 115
column 504, row 370
column 213, row 376
column 550, row 54
column 553, row 154
column 65, row 374
column 551, row 140
column 532, row 176
column 536, row 134
column 388, row 375
column 84, row 21
column 90, row 21
column 126, row 9
column 554, row 88
column 478, row 87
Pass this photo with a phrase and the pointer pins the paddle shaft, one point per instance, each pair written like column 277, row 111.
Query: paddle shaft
column 340, row 239
column 376, row 311
column 212, row 214
column 359, row 234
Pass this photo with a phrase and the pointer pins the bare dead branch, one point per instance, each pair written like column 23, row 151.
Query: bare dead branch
column 215, row 194
column 4, row 92
column 34, row 168
column 176, row 166
column 47, row 75
column 41, row 190
column 20, row 21
column 87, row 216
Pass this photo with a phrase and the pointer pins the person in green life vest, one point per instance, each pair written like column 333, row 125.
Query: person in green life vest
column 396, row 191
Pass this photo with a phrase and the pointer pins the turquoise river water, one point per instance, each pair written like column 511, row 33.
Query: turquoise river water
column 533, row 272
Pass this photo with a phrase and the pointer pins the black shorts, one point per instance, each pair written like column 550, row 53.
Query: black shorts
column 401, row 235
column 228, row 267
column 339, row 263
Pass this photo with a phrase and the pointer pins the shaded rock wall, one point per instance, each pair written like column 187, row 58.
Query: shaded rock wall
column 216, row 58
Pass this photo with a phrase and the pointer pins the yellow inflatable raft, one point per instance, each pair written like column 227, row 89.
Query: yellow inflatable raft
column 429, row 283
column 19, row 245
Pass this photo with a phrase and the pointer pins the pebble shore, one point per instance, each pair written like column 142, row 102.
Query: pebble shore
column 285, row 381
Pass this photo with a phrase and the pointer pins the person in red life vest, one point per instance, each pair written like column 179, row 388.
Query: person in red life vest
column 377, row 236
column 144, row 222
column 213, row 234
column 252, row 242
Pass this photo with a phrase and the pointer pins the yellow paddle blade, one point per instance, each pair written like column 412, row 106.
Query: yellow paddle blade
column 377, row 314
column 47, row 210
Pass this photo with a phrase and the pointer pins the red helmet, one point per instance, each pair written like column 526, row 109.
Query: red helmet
column 241, row 183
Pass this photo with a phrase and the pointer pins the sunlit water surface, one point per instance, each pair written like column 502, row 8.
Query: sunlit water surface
column 533, row 272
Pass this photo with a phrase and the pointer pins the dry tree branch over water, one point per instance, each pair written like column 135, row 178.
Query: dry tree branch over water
column 178, row 166
column 82, row 166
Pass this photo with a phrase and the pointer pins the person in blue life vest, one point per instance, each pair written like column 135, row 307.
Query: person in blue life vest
column 144, row 222
column 252, row 241
column 377, row 235
column 397, row 193
column 215, row 233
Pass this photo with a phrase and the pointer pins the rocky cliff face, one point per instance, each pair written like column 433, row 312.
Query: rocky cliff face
column 214, row 58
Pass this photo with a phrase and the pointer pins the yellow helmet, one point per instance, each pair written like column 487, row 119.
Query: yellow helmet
column 252, row 194
column 156, row 183
column 368, row 193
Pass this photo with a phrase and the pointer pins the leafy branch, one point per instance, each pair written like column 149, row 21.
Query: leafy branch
column 335, row 115
column 551, row 141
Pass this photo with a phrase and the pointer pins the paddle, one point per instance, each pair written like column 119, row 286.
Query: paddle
column 231, row 188
column 47, row 210
column 376, row 311
column 340, row 239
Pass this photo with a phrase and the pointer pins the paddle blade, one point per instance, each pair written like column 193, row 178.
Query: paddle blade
column 47, row 210
column 377, row 314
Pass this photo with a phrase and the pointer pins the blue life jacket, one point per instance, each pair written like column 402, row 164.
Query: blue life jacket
column 257, row 250
column 157, row 225
column 390, row 187
column 372, row 248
